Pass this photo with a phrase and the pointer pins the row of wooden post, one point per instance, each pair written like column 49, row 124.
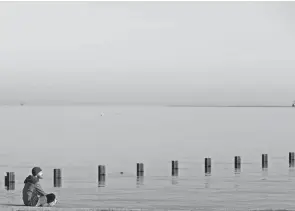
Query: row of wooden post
column 57, row 176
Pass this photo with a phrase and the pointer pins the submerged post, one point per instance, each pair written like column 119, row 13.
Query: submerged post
column 10, row 181
column 264, row 161
column 208, row 165
column 57, row 177
column 139, row 169
column 237, row 162
column 174, row 168
column 291, row 159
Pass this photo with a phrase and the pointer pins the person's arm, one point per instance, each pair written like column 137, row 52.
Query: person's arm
column 39, row 189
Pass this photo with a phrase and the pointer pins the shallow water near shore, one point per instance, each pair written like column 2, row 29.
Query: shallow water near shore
column 78, row 138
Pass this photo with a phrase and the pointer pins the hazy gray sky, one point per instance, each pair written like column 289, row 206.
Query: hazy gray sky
column 156, row 52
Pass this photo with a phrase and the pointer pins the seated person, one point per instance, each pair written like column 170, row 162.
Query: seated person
column 33, row 194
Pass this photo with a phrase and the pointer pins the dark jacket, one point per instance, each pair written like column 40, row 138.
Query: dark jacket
column 32, row 190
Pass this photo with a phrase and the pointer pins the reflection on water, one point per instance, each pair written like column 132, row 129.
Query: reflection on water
column 101, row 180
column 207, row 174
column 139, row 181
column 222, row 185
column 237, row 171
column 264, row 172
column 237, row 176
column 101, row 183
column 207, row 182
column 291, row 172
column 174, row 180
column 236, row 185
column 173, row 131
column 207, row 177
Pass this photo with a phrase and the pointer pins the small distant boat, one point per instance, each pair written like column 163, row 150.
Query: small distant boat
column 293, row 105
column 101, row 114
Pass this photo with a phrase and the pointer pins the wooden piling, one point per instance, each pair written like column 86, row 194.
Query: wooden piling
column 291, row 159
column 57, row 177
column 207, row 165
column 10, row 181
column 139, row 169
column 237, row 162
column 174, row 168
column 264, row 161
column 101, row 173
column 174, row 164
column 5, row 181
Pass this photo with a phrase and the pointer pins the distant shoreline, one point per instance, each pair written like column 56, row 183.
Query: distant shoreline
column 137, row 104
column 234, row 106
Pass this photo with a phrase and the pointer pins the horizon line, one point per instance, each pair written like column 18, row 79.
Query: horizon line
column 73, row 103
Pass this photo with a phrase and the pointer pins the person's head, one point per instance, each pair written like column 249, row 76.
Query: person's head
column 37, row 172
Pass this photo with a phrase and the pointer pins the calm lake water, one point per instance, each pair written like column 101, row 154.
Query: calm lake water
column 79, row 138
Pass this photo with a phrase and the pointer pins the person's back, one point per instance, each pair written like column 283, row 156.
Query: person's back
column 33, row 194
column 31, row 191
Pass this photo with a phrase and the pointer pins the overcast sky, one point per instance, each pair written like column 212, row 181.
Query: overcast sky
column 148, row 52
